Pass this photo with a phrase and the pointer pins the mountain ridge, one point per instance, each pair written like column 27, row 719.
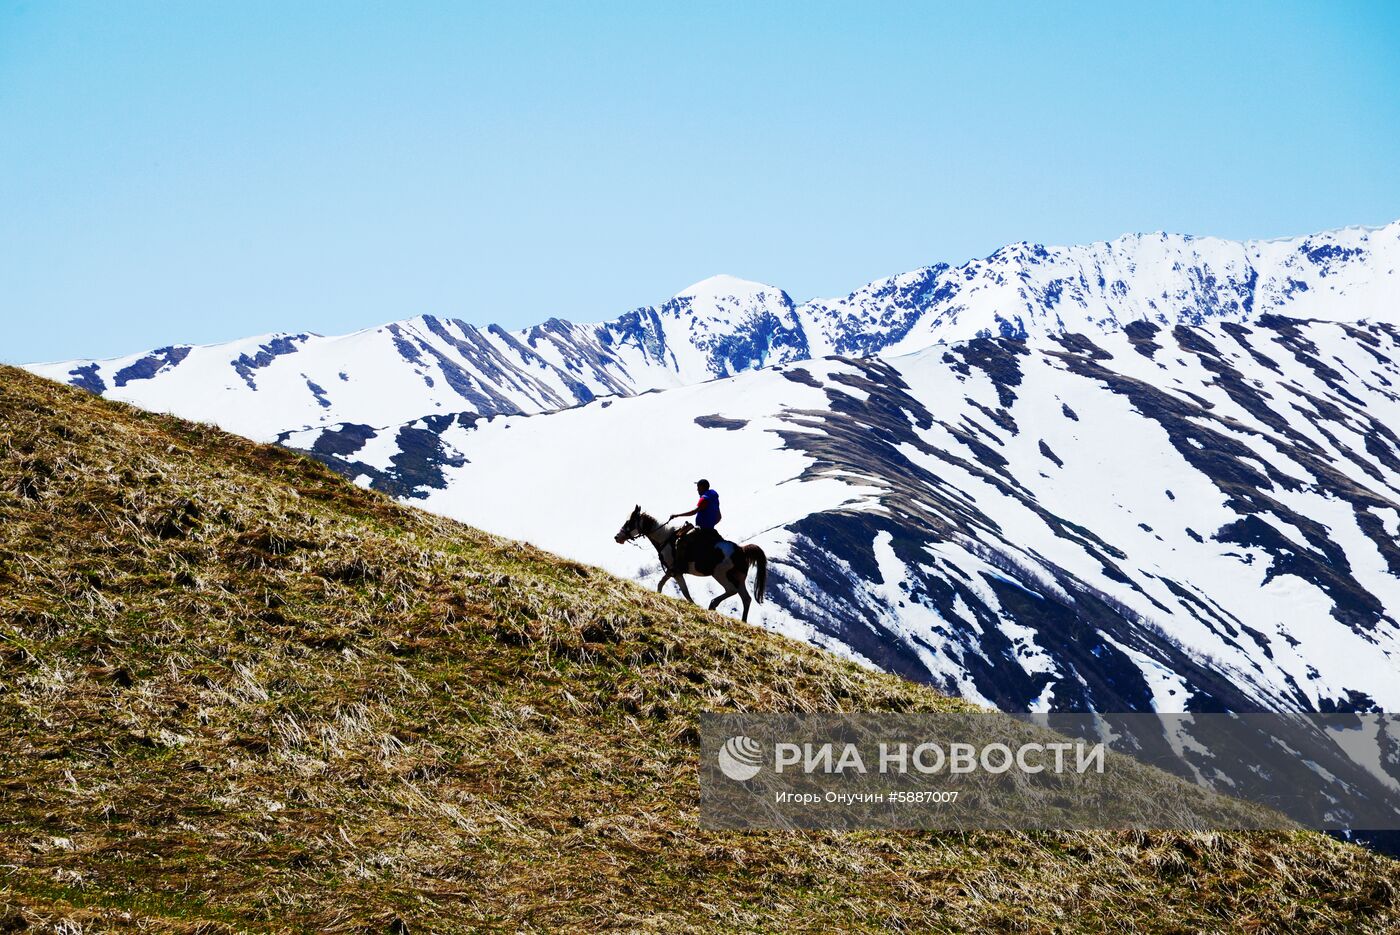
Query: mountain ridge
column 411, row 368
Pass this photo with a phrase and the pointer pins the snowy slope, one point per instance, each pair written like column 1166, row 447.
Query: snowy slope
column 266, row 385
column 1190, row 518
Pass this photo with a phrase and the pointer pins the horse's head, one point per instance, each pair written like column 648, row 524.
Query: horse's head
column 633, row 528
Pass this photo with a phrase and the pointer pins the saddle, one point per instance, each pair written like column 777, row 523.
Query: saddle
column 698, row 547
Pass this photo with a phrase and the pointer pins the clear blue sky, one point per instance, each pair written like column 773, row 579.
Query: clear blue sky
column 198, row 171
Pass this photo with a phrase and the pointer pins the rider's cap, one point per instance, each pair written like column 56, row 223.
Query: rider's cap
column 703, row 481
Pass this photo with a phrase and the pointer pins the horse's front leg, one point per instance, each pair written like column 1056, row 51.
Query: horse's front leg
column 680, row 580
column 662, row 583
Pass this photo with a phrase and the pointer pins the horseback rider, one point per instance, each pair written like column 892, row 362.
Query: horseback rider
column 728, row 563
column 699, row 545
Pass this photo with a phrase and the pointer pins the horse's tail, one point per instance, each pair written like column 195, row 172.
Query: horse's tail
column 754, row 554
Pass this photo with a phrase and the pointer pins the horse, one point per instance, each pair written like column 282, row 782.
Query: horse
column 731, row 572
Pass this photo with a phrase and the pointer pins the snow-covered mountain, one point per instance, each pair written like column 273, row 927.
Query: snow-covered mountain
column 1111, row 477
column 1167, row 279
column 263, row 385
column 266, row 385
column 1188, row 518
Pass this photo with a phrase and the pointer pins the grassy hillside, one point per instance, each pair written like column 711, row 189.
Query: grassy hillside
column 238, row 693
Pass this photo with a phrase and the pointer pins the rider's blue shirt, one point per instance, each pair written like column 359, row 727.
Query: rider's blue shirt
column 708, row 517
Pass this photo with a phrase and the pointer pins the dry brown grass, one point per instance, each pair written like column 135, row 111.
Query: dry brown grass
column 239, row 694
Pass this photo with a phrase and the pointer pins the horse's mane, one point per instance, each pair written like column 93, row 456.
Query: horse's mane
column 646, row 522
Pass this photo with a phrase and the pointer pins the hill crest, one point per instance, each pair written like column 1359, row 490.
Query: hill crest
column 240, row 694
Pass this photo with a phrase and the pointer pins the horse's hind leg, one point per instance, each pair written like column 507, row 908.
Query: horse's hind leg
column 728, row 593
column 736, row 577
column 733, row 582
